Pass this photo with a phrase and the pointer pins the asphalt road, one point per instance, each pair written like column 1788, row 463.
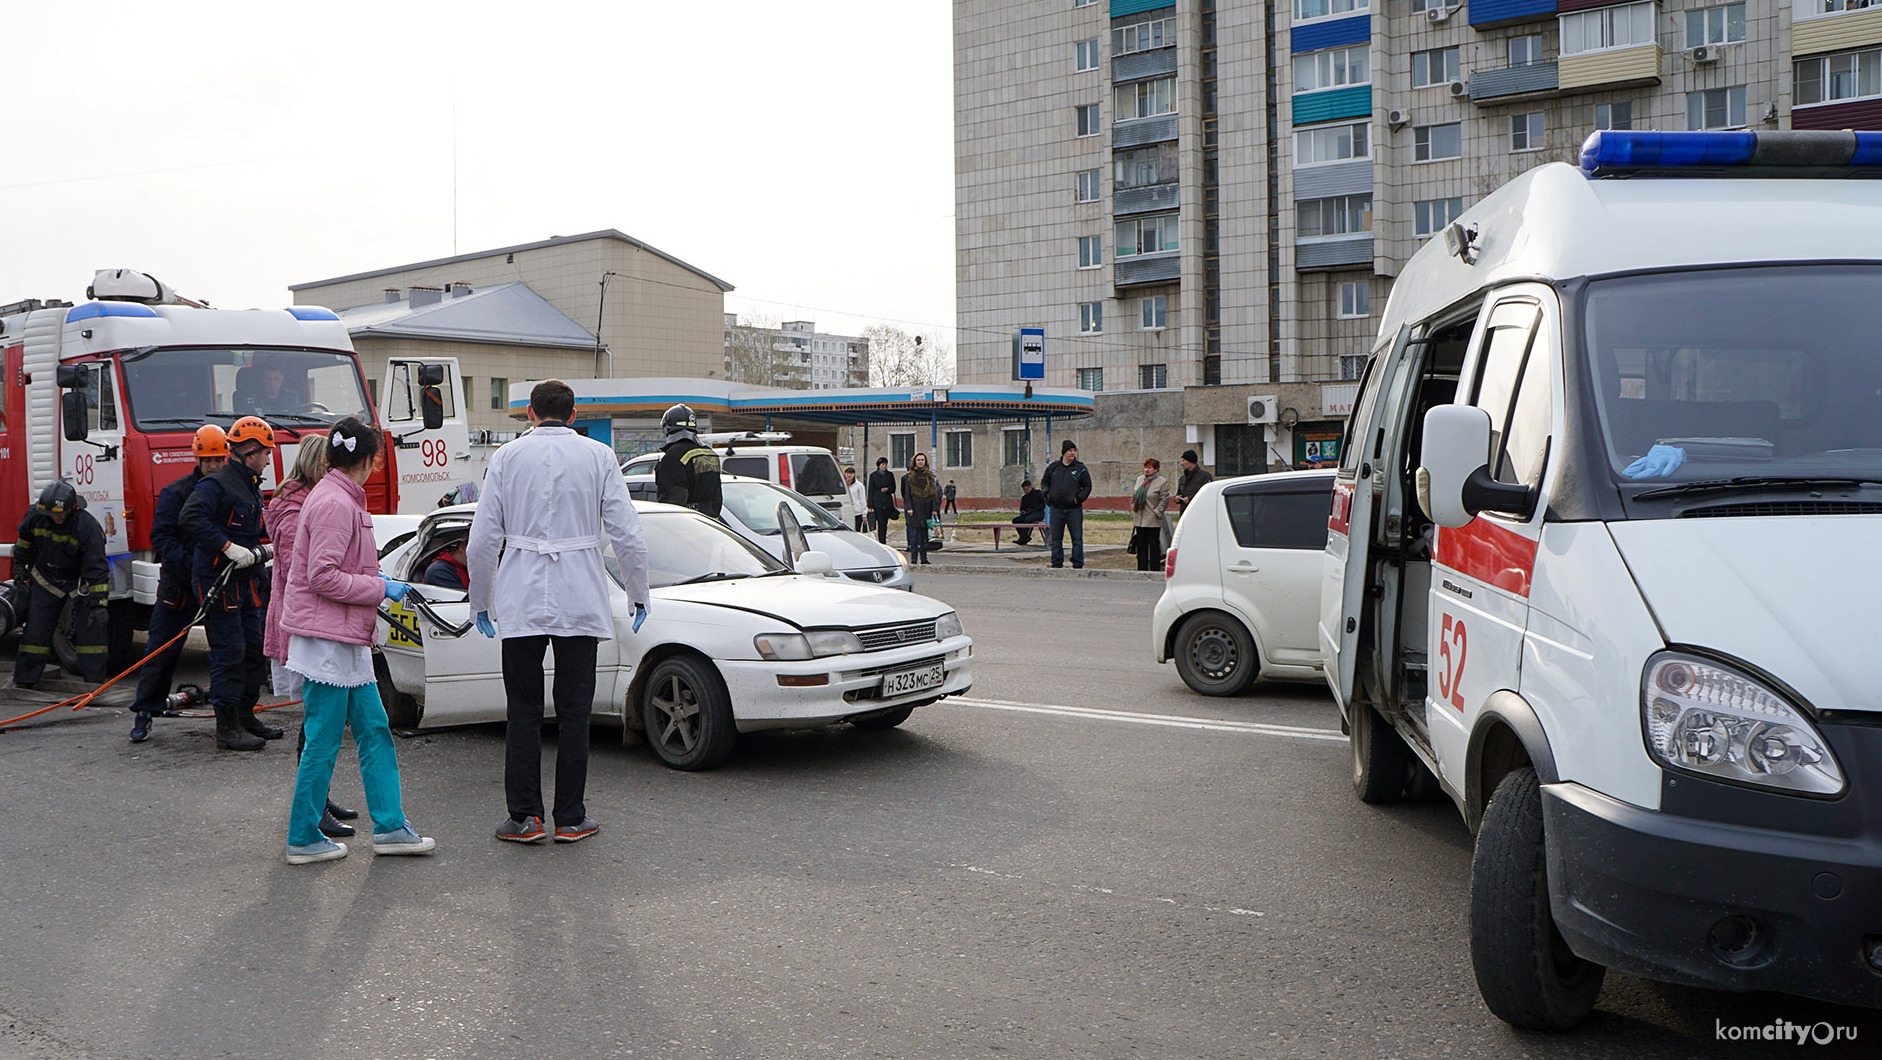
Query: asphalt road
column 1149, row 873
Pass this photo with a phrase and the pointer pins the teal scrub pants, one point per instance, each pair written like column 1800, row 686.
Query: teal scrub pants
column 329, row 711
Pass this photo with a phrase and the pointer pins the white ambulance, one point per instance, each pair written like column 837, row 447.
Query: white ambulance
column 1605, row 566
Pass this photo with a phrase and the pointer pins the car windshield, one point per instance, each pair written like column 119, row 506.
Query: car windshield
column 755, row 504
column 176, row 389
column 1767, row 373
column 687, row 546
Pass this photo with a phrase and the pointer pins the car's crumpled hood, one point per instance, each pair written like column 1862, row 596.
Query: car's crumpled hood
column 1794, row 596
column 811, row 600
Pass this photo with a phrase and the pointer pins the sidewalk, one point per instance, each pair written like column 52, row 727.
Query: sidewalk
column 973, row 553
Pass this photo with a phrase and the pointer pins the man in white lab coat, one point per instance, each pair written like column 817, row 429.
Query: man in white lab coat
column 547, row 499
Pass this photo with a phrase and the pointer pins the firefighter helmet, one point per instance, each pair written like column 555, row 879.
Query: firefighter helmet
column 211, row 441
column 679, row 422
column 57, row 498
column 252, row 429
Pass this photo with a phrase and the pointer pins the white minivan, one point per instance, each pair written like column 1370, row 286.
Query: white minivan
column 807, row 470
column 1603, row 562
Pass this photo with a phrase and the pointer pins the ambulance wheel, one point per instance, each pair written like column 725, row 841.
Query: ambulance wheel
column 1525, row 971
column 1215, row 655
column 687, row 713
column 402, row 711
column 1380, row 758
column 888, row 719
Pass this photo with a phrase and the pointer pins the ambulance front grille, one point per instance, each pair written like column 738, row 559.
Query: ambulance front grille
column 1766, row 508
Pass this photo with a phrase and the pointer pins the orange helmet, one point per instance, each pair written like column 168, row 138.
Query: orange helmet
column 252, row 429
column 210, row 441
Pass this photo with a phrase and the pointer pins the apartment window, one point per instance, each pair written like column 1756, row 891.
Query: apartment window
column 901, row 449
column 1607, row 27
column 1090, row 251
column 1333, row 68
column 1142, row 166
column 1145, row 99
column 1828, row 78
column 1724, row 24
column 1351, row 364
column 1526, row 50
column 1090, row 318
column 1432, row 215
column 1614, row 115
column 1435, row 67
column 1091, row 379
column 1212, row 370
column 1433, row 142
column 1154, row 312
column 960, row 449
column 1716, row 108
column 1090, row 185
column 1526, row 131
column 1338, row 216
column 1152, row 376
column 499, row 393
column 1013, row 446
column 1306, row 9
column 1143, row 36
column 1146, row 235
column 1083, row 3
column 1355, row 300
column 1331, row 143
column 1088, row 120
column 1087, row 55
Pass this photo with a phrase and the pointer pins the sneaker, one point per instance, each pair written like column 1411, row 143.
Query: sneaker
column 325, row 850
column 527, row 830
column 575, row 833
column 333, row 828
column 402, row 841
column 140, row 728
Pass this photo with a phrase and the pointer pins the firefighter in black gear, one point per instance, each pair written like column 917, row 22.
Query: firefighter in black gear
column 176, row 593
column 60, row 555
column 688, row 473
column 223, row 519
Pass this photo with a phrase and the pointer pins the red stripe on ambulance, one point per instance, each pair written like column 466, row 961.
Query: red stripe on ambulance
column 1489, row 553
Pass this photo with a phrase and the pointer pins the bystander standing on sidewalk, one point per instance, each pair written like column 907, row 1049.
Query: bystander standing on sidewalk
column 859, row 499
column 1149, row 495
column 948, row 504
column 1192, row 479
column 1066, row 485
column 921, row 501
column 882, row 498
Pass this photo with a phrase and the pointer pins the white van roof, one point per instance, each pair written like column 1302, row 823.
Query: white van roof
column 1555, row 223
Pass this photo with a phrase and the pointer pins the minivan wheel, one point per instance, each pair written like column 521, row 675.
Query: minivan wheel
column 1380, row 758
column 1525, row 971
column 1215, row 655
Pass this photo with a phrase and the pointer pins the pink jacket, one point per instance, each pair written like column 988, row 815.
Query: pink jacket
column 334, row 587
column 282, row 519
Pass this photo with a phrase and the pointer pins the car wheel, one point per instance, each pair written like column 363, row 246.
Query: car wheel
column 401, row 710
column 887, row 719
column 1215, row 655
column 687, row 713
column 1525, row 971
column 1380, row 758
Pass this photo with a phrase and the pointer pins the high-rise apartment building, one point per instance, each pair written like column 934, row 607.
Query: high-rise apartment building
column 795, row 355
column 1220, row 191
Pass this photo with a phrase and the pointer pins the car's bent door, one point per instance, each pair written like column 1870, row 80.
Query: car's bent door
column 1271, row 551
column 462, row 674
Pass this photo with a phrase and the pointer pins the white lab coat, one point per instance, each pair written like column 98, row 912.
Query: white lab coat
column 547, row 499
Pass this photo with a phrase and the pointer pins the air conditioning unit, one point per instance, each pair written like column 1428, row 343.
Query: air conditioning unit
column 1263, row 408
column 1438, row 14
column 1459, row 90
column 1397, row 118
column 1702, row 54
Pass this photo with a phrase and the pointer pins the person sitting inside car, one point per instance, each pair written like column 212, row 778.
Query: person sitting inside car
column 448, row 570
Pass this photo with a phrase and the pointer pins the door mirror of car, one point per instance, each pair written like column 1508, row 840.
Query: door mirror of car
column 815, row 563
column 74, row 410
column 1454, row 482
column 792, row 533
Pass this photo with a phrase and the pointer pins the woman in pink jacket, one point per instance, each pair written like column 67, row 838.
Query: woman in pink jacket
column 333, row 593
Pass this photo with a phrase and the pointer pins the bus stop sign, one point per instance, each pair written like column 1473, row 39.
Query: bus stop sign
column 1029, row 355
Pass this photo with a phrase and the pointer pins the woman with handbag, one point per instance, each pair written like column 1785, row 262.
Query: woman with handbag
column 1149, row 496
column 921, row 501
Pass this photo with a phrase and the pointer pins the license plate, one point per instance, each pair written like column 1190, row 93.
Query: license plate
column 903, row 682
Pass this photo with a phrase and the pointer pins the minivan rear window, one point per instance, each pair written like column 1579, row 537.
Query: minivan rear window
column 816, row 475
column 749, row 466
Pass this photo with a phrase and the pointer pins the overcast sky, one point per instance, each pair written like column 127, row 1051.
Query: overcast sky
column 802, row 153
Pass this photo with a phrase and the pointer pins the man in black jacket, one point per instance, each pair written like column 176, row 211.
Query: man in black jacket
column 1032, row 509
column 1066, row 484
column 882, row 498
column 1192, row 479
column 60, row 553
column 176, row 596
column 688, row 472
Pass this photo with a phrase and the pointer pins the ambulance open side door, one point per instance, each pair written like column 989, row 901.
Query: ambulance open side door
column 432, row 460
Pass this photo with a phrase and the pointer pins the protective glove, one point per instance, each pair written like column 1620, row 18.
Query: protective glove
column 238, row 555
column 395, row 591
column 640, row 615
column 1660, row 461
column 484, row 625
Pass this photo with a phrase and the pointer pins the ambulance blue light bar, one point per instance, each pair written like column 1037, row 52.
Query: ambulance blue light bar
column 1812, row 153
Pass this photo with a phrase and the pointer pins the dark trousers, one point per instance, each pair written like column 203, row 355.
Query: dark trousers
column 1146, row 543
column 949, row 506
column 574, row 702
column 38, row 623
column 236, row 665
column 1024, row 534
column 881, row 518
column 153, row 681
column 1057, row 519
column 862, row 524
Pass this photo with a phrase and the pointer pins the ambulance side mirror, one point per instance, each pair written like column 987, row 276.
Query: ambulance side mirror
column 76, row 414
column 1454, row 482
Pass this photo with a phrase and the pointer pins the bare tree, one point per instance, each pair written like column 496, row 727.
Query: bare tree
column 897, row 358
column 756, row 352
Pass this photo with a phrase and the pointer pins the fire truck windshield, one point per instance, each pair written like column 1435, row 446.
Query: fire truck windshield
column 178, row 387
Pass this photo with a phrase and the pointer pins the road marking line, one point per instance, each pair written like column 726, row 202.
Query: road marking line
column 1170, row 720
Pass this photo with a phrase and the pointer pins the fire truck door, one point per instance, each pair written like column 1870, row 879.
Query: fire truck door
column 13, row 499
column 95, row 466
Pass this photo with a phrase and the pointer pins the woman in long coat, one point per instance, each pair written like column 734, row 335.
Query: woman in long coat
column 921, row 501
column 1149, row 496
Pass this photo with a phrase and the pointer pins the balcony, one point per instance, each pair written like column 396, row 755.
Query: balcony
column 1513, row 83
column 1488, row 13
column 1814, row 32
column 1136, row 66
column 1143, row 269
column 1324, row 182
column 1332, row 254
column 1333, row 104
column 1147, row 199
column 1609, row 68
column 1137, row 7
column 1140, row 131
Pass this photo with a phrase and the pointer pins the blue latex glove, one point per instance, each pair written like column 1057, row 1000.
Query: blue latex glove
column 484, row 626
column 395, row 591
column 640, row 615
column 1660, row 461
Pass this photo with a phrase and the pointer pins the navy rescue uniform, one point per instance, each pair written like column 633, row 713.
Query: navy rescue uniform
column 53, row 563
column 176, row 593
column 227, row 507
column 688, row 475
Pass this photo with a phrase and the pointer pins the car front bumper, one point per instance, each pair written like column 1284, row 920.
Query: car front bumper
column 854, row 684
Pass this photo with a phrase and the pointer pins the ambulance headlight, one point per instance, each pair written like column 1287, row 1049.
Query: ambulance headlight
column 1705, row 718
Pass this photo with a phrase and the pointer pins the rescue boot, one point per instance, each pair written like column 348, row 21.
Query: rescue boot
column 254, row 725
column 230, row 736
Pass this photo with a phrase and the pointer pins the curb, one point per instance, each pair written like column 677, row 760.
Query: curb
column 1043, row 572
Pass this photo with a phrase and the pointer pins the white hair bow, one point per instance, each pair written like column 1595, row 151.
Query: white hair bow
column 339, row 441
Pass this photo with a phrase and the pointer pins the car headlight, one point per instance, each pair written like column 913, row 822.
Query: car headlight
column 948, row 625
column 833, row 642
column 782, row 647
column 1705, row 718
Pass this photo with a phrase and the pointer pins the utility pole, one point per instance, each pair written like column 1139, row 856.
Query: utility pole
column 600, row 306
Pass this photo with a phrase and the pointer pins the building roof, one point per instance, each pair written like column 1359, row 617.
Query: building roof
column 508, row 314
column 554, row 241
